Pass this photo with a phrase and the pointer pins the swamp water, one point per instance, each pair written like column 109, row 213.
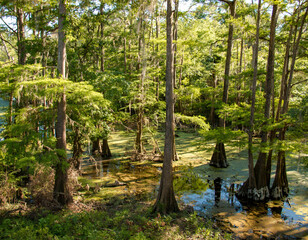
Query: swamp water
column 210, row 191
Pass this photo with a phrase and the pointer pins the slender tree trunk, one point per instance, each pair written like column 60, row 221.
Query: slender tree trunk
column 139, row 144
column 125, row 57
column 157, row 49
column 238, row 95
column 249, row 189
column 280, row 186
column 166, row 202
column 212, row 112
column 10, row 117
column 6, row 49
column 77, row 150
column 261, row 165
column 175, row 37
column 44, row 62
column 21, row 37
column 143, row 62
column 61, row 190
column 102, row 38
column 229, row 52
column 219, row 158
column 181, row 70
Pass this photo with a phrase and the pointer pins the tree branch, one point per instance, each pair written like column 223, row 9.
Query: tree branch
column 14, row 31
column 299, row 82
column 227, row 1
column 8, row 42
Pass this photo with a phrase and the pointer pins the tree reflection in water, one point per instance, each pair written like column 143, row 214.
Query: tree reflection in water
column 217, row 187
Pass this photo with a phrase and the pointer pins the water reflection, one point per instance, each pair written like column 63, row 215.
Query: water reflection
column 101, row 168
column 220, row 197
column 217, row 186
column 231, row 194
column 209, row 197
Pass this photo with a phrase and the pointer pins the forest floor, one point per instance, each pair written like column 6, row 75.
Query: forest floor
column 115, row 197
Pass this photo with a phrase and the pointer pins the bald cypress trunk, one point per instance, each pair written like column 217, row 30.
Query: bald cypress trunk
column 280, row 186
column 219, row 158
column 248, row 189
column 166, row 202
column 61, row 191
column 260, row 169
column 142, row 62
column 106, row 153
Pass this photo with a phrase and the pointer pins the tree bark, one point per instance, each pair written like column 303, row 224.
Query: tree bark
column 106, row 153
column 102, row 38
column 239, row 72
column 44, row 62
column 77, row 150
column 166, row 202
column 157, row 49
column 6, row 49
column 96, row 146
column 21, row 37
column 175, row 37
column 142, row 61
column 229, row 51
column 61, row 190
column 261, row 165
column 280, row 187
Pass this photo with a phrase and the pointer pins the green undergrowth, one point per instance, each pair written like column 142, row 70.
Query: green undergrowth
column 114, row 220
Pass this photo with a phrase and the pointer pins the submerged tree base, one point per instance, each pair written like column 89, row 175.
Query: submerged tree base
column 219, row 158
column 278, row 193
column 106, row 153
column 253, row 194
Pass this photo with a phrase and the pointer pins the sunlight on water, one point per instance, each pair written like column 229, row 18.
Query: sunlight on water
column 210, row 191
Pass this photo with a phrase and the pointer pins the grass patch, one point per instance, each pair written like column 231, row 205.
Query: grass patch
column 116, row 219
